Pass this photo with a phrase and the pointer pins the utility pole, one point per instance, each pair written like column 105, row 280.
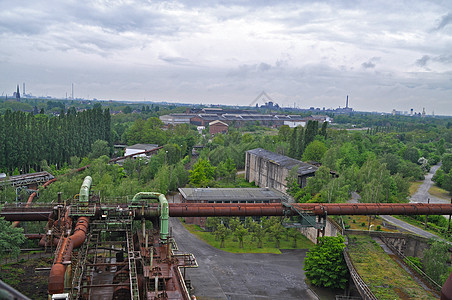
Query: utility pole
column 448, row 227
column 426, row 216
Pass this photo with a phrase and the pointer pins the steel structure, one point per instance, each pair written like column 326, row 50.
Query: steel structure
column 126, row 250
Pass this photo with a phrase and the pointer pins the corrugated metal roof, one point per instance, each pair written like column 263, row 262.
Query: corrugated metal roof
column 144, row 147
column 230, row 194
column 284, row 161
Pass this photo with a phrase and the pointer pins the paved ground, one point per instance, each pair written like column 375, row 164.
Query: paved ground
column 409, row 227
column 422, row 195
column 223, row 275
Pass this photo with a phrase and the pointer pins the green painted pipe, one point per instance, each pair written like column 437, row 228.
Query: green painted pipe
column 164, row 210
column 84, row 189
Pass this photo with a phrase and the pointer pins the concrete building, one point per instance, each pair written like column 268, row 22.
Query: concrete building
column 137, row 148
column 269, row 169
column 227, row 195
column 218, row 127
column 239, row 120
column 175, row 119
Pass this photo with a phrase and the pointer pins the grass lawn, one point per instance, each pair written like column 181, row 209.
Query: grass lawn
column 356, row 223
column 439, row 192
column 414, row 187
column 385, row 278
column 249, row 246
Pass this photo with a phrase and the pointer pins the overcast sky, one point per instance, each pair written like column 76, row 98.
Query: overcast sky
column 384, row 54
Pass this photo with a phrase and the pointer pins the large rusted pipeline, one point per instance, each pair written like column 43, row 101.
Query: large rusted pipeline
column 56, row 277
column 277, row 209
column 225, row 209
column 377, row 208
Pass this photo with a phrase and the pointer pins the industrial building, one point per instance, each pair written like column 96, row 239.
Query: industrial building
column 138, row 148
column 269, row 169
column 218, row 127
column 227, row 195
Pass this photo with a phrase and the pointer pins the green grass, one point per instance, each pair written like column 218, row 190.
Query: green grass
column 385, row 278
column 439, row 192
column 249, row 246
column 414, row 187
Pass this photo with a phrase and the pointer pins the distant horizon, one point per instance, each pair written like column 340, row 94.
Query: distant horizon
column 137, row 101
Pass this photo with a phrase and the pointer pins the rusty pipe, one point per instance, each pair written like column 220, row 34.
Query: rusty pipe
column 56, row 277
column 377, row 208
column 225, row 209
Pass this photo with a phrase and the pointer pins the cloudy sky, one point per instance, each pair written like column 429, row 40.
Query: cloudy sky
column 383, row 54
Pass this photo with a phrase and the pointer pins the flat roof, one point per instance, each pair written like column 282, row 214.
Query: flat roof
column 231, row 194
column 284, row 161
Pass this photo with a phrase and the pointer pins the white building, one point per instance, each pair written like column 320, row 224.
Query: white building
column 137, row 148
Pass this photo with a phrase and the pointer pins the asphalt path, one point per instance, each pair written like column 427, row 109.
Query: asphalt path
column 224, row 275
column 421, row 196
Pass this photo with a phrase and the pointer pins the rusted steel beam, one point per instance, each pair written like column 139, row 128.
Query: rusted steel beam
column 30, row 215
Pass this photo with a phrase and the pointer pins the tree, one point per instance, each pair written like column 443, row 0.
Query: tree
column 222, row 232
column 314, row 151
column 284, row 133
column 293, row 143
column 240, row 232
column 99, row 148
column 435, row 261
column 10, row 239
column 202, row 173
column 323, row 129
column 325, row 265
column 312, row 127
column 447, row 162
column 276, row 231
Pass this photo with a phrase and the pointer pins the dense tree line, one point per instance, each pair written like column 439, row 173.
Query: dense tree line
column 28, row 139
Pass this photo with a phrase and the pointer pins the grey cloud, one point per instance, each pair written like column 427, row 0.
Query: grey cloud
column 371, row 63
column 422, row 62
column 264, row 67
column 174, row 60
column 445, row 20
column 368, row 65
column 444, row 59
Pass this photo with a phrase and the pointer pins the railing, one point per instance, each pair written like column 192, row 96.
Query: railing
column 134, row 292
column 411, row 265
column 362, row 287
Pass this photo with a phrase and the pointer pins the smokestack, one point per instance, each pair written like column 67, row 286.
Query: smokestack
column 23, row 90
column 346, row 103
column 72, row 91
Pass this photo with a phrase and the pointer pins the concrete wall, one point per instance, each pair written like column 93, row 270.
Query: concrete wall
column 331, row 229
column 265, row 173
column 407, row 243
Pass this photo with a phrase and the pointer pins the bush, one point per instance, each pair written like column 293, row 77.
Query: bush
column 325, row 265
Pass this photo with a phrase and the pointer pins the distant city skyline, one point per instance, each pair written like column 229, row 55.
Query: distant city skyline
column 385, row 55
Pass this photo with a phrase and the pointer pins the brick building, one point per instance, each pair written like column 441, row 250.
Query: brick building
column 218, row 127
